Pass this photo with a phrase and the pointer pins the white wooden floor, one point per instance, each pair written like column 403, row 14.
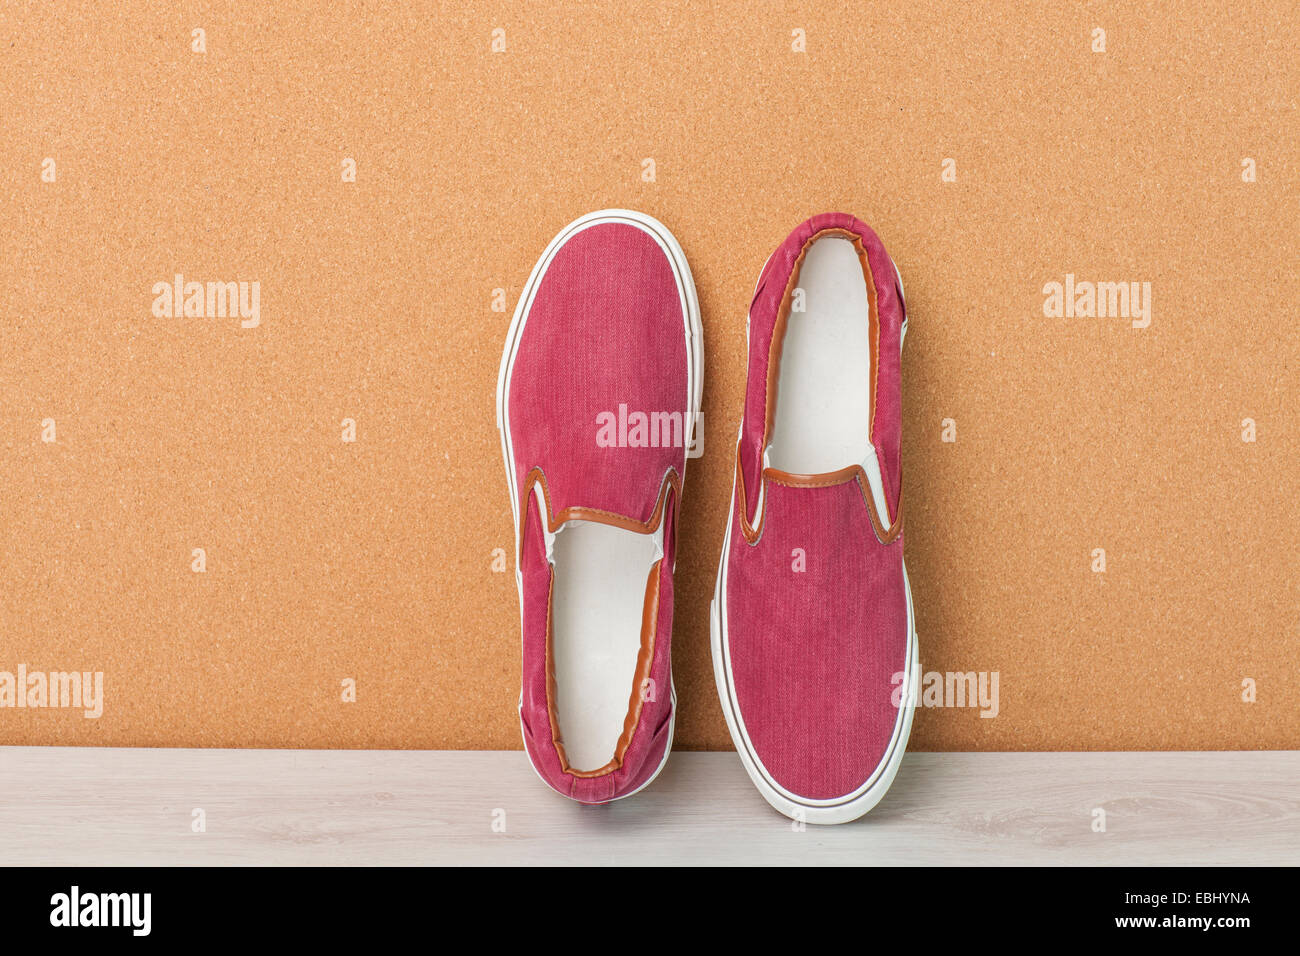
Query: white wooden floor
column 80, row 807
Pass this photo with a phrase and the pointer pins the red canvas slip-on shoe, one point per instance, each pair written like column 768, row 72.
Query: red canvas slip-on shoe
column 597, row 399
column 814, row 647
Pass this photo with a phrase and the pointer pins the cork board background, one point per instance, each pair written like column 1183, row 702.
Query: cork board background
column 1169, row 158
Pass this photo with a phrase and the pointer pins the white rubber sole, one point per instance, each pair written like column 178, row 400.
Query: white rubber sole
column 841, row 809
column 694, row 335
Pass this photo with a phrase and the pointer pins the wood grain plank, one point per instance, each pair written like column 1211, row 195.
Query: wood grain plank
column 84, row 806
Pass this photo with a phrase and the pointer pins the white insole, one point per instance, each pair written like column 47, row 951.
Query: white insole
column 596, row 612
column 823, row 400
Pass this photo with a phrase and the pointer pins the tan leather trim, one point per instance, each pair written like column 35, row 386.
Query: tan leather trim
column 644, row 661
column 598, row 515
column 750, row 532
column 550, row 675
column 886, row 533
column 825, row 480
column 649, row 618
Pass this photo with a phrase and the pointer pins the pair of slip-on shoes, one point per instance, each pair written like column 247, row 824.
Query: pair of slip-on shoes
column 598, row 398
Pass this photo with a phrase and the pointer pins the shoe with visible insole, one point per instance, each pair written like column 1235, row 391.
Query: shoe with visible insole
column 814, row 648
column 597, row 398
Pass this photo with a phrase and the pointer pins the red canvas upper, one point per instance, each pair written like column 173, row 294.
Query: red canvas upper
column 813, row 654
column 604, row 329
